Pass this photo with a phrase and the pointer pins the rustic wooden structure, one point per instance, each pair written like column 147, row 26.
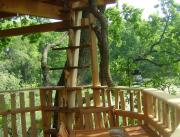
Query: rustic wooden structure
column 82, row 109
column 156, row 112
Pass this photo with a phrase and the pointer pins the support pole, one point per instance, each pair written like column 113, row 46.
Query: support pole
column 73, row 57
column 94, row 62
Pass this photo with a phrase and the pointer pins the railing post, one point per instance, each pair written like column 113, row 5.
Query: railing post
column 44, row 116
column 4, row 117
column 147, row 106
column 177, row 116
column 139, row 101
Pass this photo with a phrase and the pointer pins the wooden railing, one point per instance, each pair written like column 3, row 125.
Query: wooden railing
column 30, row 111
column 128, row 104
column 20, row 112
column 162, row 111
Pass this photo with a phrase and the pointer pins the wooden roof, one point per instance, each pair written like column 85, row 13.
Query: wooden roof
column 53, row 9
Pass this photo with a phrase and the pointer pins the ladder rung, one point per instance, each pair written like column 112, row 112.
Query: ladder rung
column 51, row 131
column 72, row 47
column 79, row 27
column 73, row 27
column 75, row 67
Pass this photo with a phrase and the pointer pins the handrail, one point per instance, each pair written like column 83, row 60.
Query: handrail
column 169, row 99
column 51, row 88
column 75, row 87
column 162, row 111
column 18, row 90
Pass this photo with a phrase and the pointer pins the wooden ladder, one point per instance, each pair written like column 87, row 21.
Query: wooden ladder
column 72, row 70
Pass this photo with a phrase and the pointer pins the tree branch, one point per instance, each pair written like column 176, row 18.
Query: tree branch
column 156, row 63
column 162, row 35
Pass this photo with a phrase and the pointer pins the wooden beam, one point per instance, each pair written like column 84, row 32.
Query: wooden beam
column 57, row 26
column 69, row 68
column 35, row 29
column 6, row 15
column 81, row 4
column 46, row 9
column 33, row 8
column 71, row 47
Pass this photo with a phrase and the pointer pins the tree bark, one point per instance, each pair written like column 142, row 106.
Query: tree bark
column 103, row 43
column 44, row 65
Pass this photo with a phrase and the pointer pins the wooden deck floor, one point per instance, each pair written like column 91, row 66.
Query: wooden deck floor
column 129, row 132
column 137, row 132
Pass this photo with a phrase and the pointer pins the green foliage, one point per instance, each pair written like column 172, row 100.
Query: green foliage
column 151, row 46
column 20, row 56
column 131, row 40
column 8, row 81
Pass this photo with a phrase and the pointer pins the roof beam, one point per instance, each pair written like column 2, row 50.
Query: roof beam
column 84, row 3
column 57, row 26
column 6, row 15
column 32, row 8
column 35, row 29
column 44, row 8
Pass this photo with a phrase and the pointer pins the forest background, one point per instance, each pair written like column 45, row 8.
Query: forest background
column 149, row 48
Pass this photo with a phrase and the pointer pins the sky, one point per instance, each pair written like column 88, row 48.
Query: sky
column 146, row 5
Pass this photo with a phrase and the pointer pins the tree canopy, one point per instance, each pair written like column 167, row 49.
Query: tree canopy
column 150, row 46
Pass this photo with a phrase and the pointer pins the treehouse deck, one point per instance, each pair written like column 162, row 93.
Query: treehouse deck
column 136, row 112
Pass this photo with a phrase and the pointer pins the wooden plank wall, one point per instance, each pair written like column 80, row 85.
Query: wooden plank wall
column 16, row 110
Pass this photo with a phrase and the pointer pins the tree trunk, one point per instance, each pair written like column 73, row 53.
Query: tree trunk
column 44, row 65
column 102, row 29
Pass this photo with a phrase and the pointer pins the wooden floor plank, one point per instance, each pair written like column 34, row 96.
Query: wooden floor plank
column 134, row 131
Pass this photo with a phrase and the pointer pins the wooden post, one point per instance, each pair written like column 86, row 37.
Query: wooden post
column 4, row 117
column 79, row 117
column 32, row 115
column 139, row 101
column 131, row 92
column 165, row 123
column 123, row 106
column 73, row 57
column 94, row 62
column 177, row 117
column 117, row 99
column 13, row 116
column 146, row 106
column 23, row 116
column 88, row 117
column 44, row 114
